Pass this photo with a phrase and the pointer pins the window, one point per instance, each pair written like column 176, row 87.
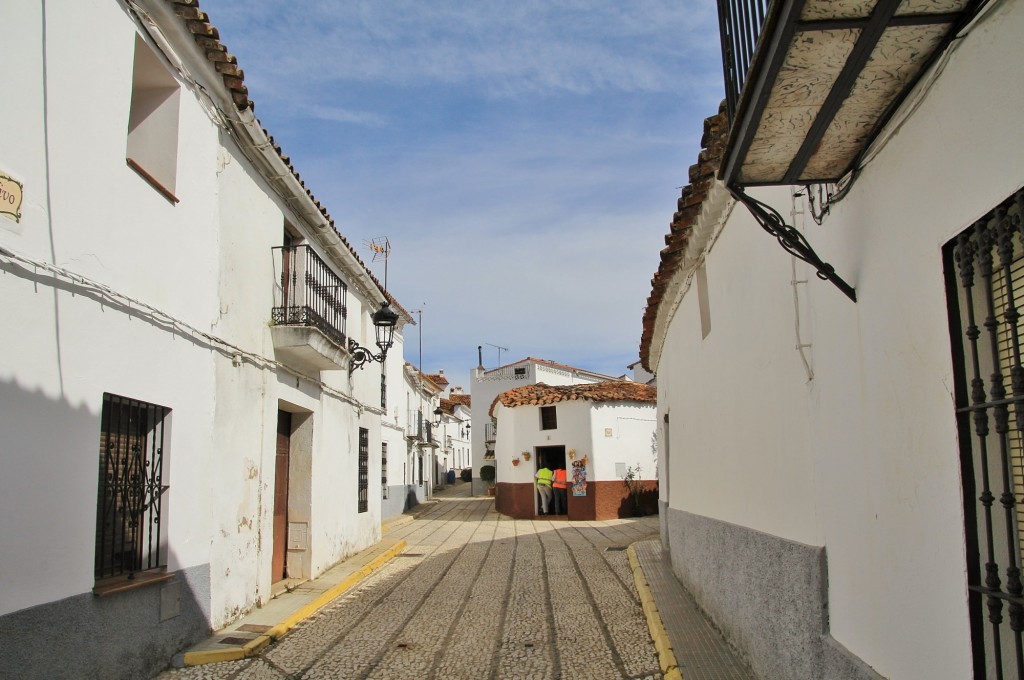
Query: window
column 384, row 470
column 364, row 469
column 548, row 420
column 153, row 121
column 985, row 292
column 520, row 371
column 129, row 523
column 383, row 389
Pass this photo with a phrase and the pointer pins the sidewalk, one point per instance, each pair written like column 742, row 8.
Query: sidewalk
column 697, row 647
column 255, row 631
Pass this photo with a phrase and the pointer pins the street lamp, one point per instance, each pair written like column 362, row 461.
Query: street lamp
column 384, row 321
column 437, row 415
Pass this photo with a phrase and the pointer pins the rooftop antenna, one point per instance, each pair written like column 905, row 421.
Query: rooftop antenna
column 381, row 248
column 500, row 350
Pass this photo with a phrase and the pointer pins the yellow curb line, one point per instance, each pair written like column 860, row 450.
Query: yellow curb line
column 666, row 657
column 254, row 647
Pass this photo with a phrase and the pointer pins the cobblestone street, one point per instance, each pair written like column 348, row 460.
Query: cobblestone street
column 476, row 595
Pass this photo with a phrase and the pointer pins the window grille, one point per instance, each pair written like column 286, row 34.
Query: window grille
column 985, row 273
column 364, row 469
column 384, row 470
column 129, row 521
column 383, row 389
column 548, row 418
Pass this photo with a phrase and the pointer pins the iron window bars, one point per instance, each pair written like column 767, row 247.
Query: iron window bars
column 129, row 517
column 384, row 470
column 985, row 280
column 364, row 469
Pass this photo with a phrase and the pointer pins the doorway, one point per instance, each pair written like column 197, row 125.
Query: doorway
column 553, row 458
column 281, row 463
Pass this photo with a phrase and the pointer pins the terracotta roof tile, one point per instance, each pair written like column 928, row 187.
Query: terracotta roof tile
column 688, row 207
column 543, row 395
column 463, row 399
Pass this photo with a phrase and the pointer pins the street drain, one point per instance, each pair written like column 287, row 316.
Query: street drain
column 616, row 548
column 403, row 645
column 529, row 645
column 410, row 555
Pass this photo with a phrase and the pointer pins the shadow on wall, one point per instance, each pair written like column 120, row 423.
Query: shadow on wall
column 643, row 503
column 50, row 454
column 410, row 498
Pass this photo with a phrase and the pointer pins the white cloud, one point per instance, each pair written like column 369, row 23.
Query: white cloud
column 339, row 115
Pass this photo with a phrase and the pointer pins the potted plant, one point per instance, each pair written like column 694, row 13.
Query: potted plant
column 526, row 456
column 515, row 462
column 487, row 474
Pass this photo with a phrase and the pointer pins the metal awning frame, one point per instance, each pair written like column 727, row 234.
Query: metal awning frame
column 791, row 240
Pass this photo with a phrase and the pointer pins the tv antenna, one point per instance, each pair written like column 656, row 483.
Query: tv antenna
column 500, row 350
column 381, row 248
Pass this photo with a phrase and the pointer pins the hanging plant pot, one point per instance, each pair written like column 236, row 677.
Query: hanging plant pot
column 515, row 462
column 572, row 453
column 526, row 455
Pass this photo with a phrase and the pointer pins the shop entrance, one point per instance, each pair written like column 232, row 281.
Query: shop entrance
column 553, row 458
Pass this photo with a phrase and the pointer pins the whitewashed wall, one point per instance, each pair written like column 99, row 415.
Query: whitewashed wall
column 205, row 261
column 581, row 426
column 622, row 433
column 86, row 212
column 862, row 460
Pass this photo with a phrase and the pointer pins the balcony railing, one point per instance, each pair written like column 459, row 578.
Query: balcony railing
column 740, row 23
column 419, row 428
column 310, row 293
column 414, row 428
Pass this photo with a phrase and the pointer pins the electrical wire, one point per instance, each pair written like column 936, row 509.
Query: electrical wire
column 164, row 320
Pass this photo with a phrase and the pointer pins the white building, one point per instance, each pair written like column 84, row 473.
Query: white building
column 422, row 397
column 454, row 431
column 485, row 385
column 598, row 433
column 822, row 460
column 181, row 430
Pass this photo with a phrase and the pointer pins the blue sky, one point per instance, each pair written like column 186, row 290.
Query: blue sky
column 523, row 158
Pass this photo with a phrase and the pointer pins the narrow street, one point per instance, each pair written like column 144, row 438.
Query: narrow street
column 476, row 595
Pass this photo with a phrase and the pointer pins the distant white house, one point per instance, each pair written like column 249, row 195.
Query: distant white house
column 597, row 432
column 485, row 385
column 840, row 420
column 422, row 398
column 186, row 425
column 454, row 431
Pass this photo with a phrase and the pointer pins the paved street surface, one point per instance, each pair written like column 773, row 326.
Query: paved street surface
column 476, row 595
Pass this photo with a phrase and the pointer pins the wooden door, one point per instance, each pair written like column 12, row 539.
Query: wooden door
column 284, row 433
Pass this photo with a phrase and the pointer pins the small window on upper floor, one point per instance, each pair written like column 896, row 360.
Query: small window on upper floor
column 520, row 371
column 548, row 419
column 153, row 121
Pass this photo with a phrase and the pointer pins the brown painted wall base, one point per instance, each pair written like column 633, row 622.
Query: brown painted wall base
column 604, row 500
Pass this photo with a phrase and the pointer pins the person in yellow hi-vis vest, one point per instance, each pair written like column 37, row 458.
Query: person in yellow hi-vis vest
column 543, row 484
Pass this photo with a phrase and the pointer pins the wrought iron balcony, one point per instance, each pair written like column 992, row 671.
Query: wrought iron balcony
column 809, row 83
column 415, row 427
column 309, row 310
